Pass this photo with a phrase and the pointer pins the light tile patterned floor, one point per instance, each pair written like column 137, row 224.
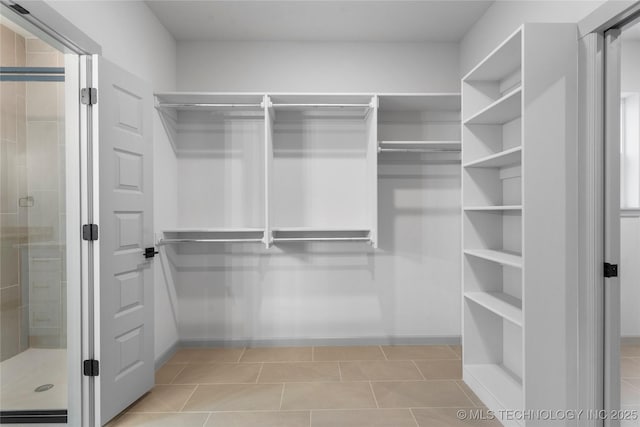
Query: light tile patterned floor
column 379, row 386
column 630, row 387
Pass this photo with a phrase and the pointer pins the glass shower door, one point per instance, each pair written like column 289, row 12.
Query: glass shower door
column 33, row 292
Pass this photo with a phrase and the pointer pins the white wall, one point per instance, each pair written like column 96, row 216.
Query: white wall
column 630, row 276
column 505, row 16
column 132, row 37
column 630, row 226
column 630, row 80
column 408, row 288
column 318, row 67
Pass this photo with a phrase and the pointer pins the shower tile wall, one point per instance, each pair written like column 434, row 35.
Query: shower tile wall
column 46, row 187
column 32, row 286
column 13, row 219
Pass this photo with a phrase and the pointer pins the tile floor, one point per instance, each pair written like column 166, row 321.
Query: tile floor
column 379, row 386
column 393, row 386
column 321, row 386
column 630, row 386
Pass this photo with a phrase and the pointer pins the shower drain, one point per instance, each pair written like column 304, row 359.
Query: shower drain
column 43, row 387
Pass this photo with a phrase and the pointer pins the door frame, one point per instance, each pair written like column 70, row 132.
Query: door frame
column 611, row 212
column 599, row 302
column 45, row 22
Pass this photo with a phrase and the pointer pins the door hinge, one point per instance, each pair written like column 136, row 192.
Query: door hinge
column 150, row 252
column 91, row 368
column 89, row 95
column 90, row 232
column 610, row 270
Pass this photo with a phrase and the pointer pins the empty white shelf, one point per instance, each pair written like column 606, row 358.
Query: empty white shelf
column 505, row 387
column 510, row 157
column 309, row 106
column 321, row 239
column 212, row 235
column 420, row 102
column 320, row 235
column 505, row 306
column 493, row 208
column 344, row 104
column 183, row 101
column 501, row 62
column 501, row 111
column 319, row 230
column 215, row 230
column 500, row 257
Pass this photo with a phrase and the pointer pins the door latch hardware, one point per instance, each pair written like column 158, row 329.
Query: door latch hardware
column 610, row 270
column 150, row 252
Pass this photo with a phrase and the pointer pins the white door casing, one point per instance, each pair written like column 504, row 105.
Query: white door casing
column 612, row 78
column 125, row 342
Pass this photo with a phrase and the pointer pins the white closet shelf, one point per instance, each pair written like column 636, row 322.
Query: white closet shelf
column 493, row 208
column 501, row 62
column 191, row 118
column 321, row 229
column 302, row 107
column 503, row 110
column 183, row 101
column 304, row 234
column 215, row 230
column 256, row 109
column 327, row 111
column 421, row 102
column 504, row 305
column 420, row 146
column 212, row 235
column 505, row 387
column 510, row 157
column 500, row 257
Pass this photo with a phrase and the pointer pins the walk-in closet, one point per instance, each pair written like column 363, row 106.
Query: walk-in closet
column 319, row 213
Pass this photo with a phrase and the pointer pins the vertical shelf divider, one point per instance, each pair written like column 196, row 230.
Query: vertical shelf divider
column 372, row 164
column 268, row 166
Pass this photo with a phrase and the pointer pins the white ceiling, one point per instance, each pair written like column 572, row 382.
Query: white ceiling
column 313, row 20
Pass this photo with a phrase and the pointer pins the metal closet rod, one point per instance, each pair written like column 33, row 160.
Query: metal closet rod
column 320, row 239
column 419, row 146
column 205, row 105
column 322, row 105
column 170, row 241
column 418, row 150
column 276, row 239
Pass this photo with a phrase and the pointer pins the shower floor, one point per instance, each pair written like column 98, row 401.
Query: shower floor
column 23, row 373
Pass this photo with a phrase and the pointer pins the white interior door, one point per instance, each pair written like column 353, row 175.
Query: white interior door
column 612, row 223
column 126, row 227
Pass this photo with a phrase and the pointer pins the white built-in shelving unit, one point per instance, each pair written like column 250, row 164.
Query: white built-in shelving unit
column 288, row 168
column 419, row 124
column 322, row 163
column 516, row 106
column 219, row 142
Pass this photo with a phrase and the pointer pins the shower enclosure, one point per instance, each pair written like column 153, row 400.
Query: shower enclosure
column 33, row 291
